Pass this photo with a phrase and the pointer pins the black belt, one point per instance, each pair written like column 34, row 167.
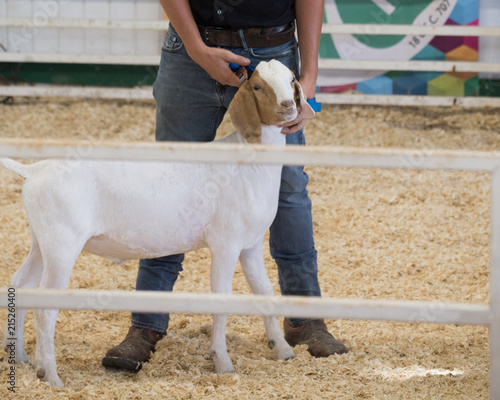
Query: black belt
column 254, row 37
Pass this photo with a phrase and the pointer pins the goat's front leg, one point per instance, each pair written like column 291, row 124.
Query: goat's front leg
column 252, row 263
column 221, row 277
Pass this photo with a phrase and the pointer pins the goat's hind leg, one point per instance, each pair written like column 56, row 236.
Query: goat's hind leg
column 252, row 263
column 27, row 276
column 59, row 258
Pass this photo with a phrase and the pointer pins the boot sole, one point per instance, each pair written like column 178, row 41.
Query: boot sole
column 121, row 363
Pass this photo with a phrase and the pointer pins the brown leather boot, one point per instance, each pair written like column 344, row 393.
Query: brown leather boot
column 135, row 349
column 320, row 343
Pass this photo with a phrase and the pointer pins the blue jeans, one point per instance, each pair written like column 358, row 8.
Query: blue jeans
column 190, row 106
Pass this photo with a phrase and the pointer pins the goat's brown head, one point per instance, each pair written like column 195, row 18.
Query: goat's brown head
column 271, row 96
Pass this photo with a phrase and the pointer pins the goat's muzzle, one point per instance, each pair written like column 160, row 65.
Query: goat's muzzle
column 289, row 110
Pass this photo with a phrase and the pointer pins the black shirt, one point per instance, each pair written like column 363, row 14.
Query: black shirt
column 243, row 14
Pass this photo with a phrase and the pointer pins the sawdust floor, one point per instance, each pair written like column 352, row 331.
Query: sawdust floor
column 381, row 234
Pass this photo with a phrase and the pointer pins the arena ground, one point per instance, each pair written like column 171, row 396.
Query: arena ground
column 380, row 234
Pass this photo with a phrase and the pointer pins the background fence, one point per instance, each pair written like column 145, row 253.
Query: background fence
column 129, row 33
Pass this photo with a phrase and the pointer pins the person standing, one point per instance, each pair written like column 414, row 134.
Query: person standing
column 193, row 89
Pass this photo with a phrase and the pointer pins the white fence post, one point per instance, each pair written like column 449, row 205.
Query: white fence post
column 495, row 286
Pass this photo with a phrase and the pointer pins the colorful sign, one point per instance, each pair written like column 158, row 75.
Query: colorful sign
column 400, row 47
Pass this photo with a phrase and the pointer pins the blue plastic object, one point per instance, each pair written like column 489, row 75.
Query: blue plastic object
column 236, row 67
column 314, row 104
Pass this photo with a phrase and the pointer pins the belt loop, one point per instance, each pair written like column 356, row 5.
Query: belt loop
column 242, row 37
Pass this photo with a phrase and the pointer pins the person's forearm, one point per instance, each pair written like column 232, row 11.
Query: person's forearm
column 180, row 14
column 309, row 14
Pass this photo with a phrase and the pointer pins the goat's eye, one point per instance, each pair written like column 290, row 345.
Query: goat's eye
column 256, row 88
column 293, row 80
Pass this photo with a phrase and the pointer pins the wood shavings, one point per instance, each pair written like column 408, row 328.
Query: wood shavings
column 380, row 234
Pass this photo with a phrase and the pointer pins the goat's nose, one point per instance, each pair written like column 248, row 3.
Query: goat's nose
column 287, row 103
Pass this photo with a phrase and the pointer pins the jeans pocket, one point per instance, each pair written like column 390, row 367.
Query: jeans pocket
column 286, row 53
column 278, row 52
column 173, row 42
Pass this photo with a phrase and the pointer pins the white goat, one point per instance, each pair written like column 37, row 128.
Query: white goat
column 131, row 210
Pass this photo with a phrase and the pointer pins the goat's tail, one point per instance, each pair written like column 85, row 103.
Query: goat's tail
column 14, row 166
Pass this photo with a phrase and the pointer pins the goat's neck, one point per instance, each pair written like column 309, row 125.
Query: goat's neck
column 271, row 134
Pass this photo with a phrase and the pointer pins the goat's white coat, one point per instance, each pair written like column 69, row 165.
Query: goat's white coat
column 130, row 210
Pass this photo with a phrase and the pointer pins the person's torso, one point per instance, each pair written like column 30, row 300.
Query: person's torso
column 243, row 14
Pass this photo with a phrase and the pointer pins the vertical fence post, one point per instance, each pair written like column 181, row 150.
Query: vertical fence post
column 495, row 286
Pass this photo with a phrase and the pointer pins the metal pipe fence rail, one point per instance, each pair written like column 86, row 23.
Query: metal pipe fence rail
column 362, row 65
column 409, row 311
column 292, row 306
column 360, row 29
column 367, row 29
column 71, row 150
column 146, row 93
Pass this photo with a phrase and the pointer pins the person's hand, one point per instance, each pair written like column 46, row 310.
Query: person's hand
column 216, row 61
column 294, row 126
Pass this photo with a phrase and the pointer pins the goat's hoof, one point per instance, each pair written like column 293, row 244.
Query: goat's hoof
column 56, row 382
column 52, row 379
column 223, row 365
column 224, row 370
column 285, row 353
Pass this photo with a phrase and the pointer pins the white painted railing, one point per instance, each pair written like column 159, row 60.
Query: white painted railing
column 360, row 29
column 255, row 154
column 146, row 93
column 296, row 306
column 367, row 65
column 372, row 29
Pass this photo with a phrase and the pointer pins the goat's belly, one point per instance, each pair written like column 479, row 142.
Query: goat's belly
column 124, row 248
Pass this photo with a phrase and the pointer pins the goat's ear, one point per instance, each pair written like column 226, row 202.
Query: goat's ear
column 306, row 110
column 245, row 115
